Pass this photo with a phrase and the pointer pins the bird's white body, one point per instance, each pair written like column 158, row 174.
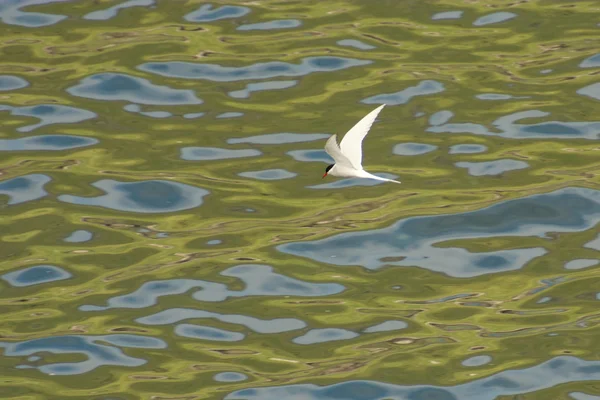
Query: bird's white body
column 348, row 155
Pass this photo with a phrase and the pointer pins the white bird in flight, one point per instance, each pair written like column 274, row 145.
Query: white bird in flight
column 348, row 155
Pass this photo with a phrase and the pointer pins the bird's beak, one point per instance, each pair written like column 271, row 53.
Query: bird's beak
column 324, row 175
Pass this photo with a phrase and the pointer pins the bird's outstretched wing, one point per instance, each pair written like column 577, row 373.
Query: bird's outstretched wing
column 332, row 148
column 351, row 144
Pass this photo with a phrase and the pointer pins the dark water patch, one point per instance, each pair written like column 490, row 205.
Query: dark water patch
column 49, row 114
column 447, row 15
column 386, row 326
column 495, row 167
column 511, row 382
column 214, row 153
column 11, row 14
column 508, row 128
column 422, row 89
column 36, row 275
column 111, row 12
column 310, row 156
column 357, row 44
column 230, row 377
column 153, row 196
column 174, row 315
column 416, row 239
column 591, row 62
column 259, row 280
column 280, row 138
column 230, row 114
column 494, row 18
column 467, row 149
column 273, row 69
column 24, row 188
column 206, row 13
column 412, row 149
column 315, row 336
column 10, row 82
column 208, row 333
column 271, row 25
column 46, row 142
column 79, row 236
column 349, row 182
column 111, row 86
column 97, row 353
column 268, row 174
column 261, row 86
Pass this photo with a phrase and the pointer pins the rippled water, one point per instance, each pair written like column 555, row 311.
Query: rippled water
column 166, row 233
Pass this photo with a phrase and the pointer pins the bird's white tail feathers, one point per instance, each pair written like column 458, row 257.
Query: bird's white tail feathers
column 365, row 174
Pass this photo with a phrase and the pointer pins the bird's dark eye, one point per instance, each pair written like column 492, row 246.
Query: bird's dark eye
column 329, row 167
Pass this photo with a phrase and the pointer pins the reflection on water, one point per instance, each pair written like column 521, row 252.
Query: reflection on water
column 166, row 232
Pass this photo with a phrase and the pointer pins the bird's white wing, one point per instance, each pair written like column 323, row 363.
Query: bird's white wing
column 351, row 144
column 332, row 148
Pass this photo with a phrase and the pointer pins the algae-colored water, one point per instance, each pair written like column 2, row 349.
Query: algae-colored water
column 165, row 232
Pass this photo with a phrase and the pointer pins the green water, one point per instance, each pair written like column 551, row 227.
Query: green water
column 260, row 262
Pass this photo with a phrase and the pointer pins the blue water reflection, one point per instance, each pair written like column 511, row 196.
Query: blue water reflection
column 174, row 315
column 230, row 114
column 422, row 89
column 214, row 153
column 386, row 326
column 46, row 142
column 230, row 377
column 594, row 244
column 270, row 25
column 10, row 13
column 10, row 82
column 208, row 333
column 36, row 275
column 261, row 86
column 111, row 86
column 581, row 263
column 591, row 62
column 447, row 15
column 477, row 361
column 416, row 240
column 259, row 280
column 592, row 91
column 498, row 96
column 49, row 114
column 206, row 13
column 111, row 12
column 357, row 44
column 495, row 167
column 268, row 174
column 153, row 196
column 24, row 188
column 440, row 117
column 79, row 236
column 512, row 382
column 97, row 353
column 467, row 149
column 494, row 18
column 412, row 149
column 280, row 138
column 310, row 156
column 273, row 69
column 508, row 127
column 324, row 335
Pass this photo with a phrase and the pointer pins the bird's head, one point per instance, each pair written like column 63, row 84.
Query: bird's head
column 327, row 169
